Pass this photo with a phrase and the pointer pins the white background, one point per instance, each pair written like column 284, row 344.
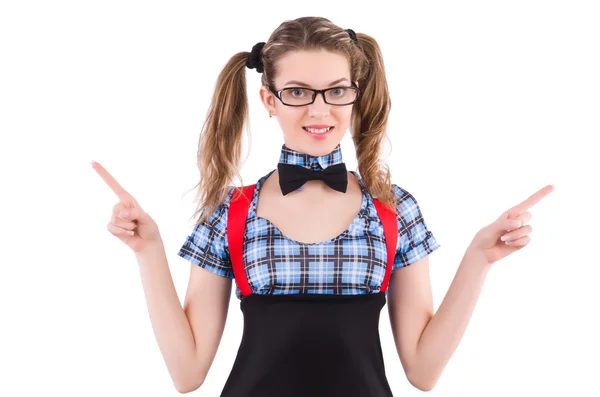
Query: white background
column 491, row 102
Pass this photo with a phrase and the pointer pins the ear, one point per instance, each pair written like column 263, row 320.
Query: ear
column 267, row 98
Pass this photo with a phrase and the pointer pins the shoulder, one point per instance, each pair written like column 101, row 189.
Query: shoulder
column 407, row 205
column 218, row 217
column 264, row 183
column 400, row 193
column 228, row 197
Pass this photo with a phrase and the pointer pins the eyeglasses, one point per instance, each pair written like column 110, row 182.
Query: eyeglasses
column 300, row 96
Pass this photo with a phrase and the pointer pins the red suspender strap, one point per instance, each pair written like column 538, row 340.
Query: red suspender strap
column 236, row 226
column 390, row 231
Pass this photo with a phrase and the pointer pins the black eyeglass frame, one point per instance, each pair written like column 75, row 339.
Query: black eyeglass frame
column 315, row 92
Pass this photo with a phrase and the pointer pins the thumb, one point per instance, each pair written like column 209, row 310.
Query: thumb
column 132, row 213
column 141, row 216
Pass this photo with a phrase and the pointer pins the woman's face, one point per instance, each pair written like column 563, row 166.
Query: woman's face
column 310, row 69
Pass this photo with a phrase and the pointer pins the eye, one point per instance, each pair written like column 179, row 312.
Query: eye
column 338, row 91
column 299, row 90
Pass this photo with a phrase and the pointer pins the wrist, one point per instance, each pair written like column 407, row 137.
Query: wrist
column 476, row 257
column 151, row 250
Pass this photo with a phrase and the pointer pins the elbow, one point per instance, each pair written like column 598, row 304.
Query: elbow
column 422, row 386
column 187, row 377
column 183, row 389
column 421, row 383
column 188, row 386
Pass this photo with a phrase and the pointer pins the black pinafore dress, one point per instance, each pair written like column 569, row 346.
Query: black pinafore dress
column 307, row 344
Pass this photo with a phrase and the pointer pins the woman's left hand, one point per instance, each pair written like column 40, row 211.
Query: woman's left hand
column 488, row 240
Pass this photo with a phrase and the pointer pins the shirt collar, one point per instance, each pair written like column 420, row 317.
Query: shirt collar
column 317, row 163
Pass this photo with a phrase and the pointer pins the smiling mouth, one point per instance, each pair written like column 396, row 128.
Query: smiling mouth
column 317, row 130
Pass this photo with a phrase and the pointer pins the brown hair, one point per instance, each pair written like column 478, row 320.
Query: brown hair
column 219, row 148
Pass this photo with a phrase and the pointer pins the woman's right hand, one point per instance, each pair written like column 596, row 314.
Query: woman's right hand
column 129, row 222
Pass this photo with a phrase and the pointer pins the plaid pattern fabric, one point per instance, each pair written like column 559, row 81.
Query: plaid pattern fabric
column 352, row 263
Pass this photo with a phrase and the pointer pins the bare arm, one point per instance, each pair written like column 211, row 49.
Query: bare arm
column 427, row 341
column 188, row 338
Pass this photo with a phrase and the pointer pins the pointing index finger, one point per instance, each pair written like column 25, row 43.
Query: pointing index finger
column 532, row 200
column 112, row 183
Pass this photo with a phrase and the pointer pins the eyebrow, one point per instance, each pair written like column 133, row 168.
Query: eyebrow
column 308, row 85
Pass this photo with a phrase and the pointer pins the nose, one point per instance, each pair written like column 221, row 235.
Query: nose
column 318, row 107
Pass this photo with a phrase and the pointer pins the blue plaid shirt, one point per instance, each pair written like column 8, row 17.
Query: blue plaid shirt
column 351, row 263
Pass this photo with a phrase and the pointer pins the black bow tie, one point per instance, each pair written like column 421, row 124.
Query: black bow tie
column 292, row 176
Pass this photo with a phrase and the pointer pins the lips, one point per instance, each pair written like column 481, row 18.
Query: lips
column 317, row 135
column 320, row 128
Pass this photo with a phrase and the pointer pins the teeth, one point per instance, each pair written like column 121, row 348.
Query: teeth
column 317, row 131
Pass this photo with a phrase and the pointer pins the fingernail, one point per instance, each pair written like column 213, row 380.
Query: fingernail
column 516, row 224
column 123, row 214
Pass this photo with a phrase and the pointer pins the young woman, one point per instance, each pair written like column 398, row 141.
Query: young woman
column 311, row 246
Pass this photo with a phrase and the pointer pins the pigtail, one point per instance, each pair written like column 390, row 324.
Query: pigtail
column 220, row 143
column 369, row 121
